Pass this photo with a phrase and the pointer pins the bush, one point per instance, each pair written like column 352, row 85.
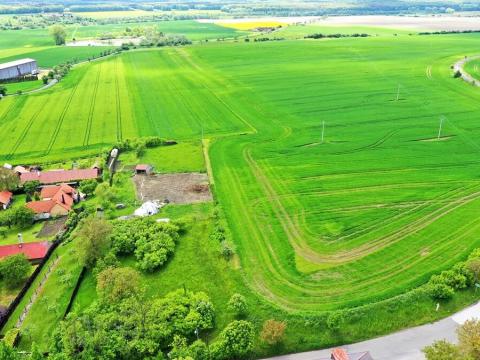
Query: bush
column 227, row 250
column 273, row 331
column 235, row 341
column 440, row 291
column 457, row 74
column 3, row 232
column 14, row 270
column 335, row 320
column 238, row 305
column 151, row 242
column 88, row 186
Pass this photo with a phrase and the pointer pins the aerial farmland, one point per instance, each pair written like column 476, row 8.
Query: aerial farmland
column 239, row 181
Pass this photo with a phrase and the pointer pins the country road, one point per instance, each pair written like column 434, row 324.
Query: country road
column 458, row 66
column 403, row 345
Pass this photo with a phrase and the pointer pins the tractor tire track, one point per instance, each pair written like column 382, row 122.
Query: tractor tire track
column 117, row 103
column 88, row 130
column 24, row 133
column 60, row 120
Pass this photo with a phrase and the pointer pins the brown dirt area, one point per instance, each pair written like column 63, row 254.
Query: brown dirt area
column 52, row 227
column 184, row 188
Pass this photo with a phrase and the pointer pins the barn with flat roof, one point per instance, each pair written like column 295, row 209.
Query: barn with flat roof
column 18, row 69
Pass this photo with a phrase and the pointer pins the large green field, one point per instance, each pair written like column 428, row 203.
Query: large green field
column 370, row 212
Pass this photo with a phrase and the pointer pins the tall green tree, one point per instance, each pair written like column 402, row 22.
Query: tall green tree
column 9, row 180
column 235, row 341
column 59, row 34
column 15, row 270
column 94, row 240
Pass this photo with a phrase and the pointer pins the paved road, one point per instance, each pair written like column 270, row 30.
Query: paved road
column 403, row 345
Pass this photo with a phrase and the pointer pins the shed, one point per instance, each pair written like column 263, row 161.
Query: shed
column 143, row 169
column 5, row 199
column 18, row 68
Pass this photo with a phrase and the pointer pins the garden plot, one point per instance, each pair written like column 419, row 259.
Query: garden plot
column 180, row 188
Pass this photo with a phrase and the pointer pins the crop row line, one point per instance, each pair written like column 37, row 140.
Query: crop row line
column 60, row 120
column 92, row 109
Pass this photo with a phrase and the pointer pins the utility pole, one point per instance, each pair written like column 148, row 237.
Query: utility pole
column 440, row 127
column 398, row 92
column 323, row 130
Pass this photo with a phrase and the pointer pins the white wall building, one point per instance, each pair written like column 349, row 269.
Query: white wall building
column 18, row 68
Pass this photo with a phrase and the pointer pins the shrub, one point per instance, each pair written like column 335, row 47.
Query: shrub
column 335, row 320
column 440, row 291
column 227, row 250
column 15, row 270
column 238, row 305
column 442, row 350
column 152, row 243
column 3, row 231
column 273, row 331
column 457, row 74
column 88, row 186
column 235, row 341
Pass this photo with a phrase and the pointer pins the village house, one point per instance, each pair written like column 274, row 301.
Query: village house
column 34, row 251
column 55, row 201
column 6, row 198
column 59, row 176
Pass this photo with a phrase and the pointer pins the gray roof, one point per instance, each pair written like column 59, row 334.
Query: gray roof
column 16, row 63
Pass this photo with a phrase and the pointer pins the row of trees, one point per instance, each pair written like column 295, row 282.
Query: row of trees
column 125, row 324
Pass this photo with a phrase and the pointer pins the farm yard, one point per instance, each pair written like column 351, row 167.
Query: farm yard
column 345, row 170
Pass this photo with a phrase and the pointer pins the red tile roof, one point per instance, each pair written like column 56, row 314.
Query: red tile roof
column 142, row 167
column 339, row 354
column 33, row 251
column 59, row 176
column 49, row 192
column 5, row 197
column 45, row 206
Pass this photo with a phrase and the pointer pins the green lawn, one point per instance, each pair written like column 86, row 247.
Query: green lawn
column 29, row 234
column 182, row 157
column 13, row 88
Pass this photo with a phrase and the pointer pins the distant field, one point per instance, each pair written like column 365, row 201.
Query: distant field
column 250, row 25
column 369, row 213
column 113, row 14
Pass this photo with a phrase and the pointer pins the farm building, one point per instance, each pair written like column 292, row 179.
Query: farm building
column 143, row 169
column 34, row 251
column 59, row 176
column 17, row 69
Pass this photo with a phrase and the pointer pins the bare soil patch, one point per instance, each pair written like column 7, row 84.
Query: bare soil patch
column 429, row 23
column 183, row 188
column 52, row 227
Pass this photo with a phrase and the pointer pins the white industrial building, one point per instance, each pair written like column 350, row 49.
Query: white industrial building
column 18, row 69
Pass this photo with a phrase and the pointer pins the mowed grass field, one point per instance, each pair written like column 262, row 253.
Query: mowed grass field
column 365, row 215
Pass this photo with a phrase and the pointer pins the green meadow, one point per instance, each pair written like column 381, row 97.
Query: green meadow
column 337, row 186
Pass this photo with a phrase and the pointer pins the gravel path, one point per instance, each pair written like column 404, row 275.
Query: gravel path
column 458, row 66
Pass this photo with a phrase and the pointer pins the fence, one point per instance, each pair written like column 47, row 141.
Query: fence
column 75, row 291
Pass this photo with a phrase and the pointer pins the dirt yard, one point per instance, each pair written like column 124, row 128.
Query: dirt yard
column 52, row 227
column 177, row 188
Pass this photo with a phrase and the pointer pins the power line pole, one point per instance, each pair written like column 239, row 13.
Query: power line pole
column 440, row 127
column 323, row 130
column 398, row 92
